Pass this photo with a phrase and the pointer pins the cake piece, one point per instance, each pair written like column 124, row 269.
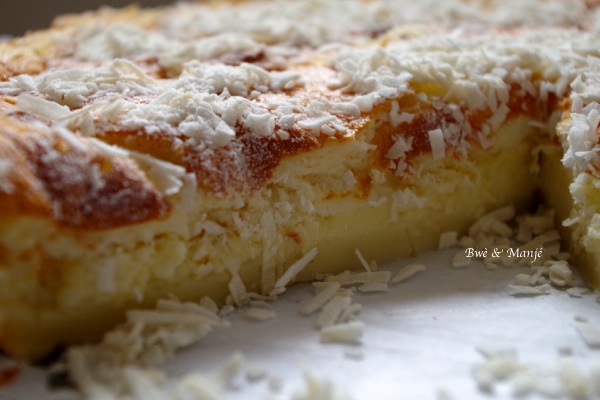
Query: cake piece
column 210, row 149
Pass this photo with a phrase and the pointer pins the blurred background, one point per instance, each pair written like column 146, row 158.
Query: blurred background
column 19, row 16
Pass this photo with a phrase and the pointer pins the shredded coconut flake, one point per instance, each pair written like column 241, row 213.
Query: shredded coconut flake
column 407, row 272
column 350, row 332
column 589, row 333
column 447, row 240
column 295, row 268
column 438, row 144
column 259, row 314
column 321, row 298
column 362, row 260
column 331, row 312
column 374, row 287
column 518, row 290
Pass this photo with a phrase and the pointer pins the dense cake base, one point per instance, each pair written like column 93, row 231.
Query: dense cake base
column 72, row 286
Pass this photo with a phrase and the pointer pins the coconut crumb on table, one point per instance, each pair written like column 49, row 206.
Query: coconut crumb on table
column 331, row 311
column 407, row 272
column 374, row 287
column 577, row 291
column 345, row 332
column 337, row 320
column 153, row 337
column 501, row 239
column 259, row 313
column 568, row 378
column 589, row 333
column 325, row 293
column 319, row 388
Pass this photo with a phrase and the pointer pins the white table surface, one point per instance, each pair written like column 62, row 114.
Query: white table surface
column 420, row 340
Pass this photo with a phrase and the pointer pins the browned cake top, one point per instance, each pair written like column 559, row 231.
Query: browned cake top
column 101, row 125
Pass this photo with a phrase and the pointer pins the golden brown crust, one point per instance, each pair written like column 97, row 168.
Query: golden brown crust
column 32, row 199
column 245, row 164
column 77, row 187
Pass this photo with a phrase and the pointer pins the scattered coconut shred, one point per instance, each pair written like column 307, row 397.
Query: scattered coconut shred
column 565, row 379
column 533, row 242
column 589, row 333
column 126, row 363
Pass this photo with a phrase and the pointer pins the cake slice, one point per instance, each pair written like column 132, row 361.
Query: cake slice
column 152, row 155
